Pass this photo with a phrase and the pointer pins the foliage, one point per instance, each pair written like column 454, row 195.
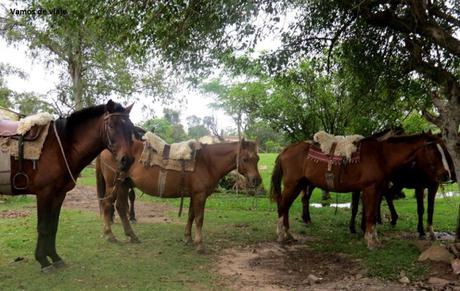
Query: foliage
column 415, row 123
column 94, row 66
column 196, row 127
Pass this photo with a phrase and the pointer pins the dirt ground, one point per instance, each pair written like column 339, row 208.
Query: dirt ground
column 84, row 197
column 269, row 265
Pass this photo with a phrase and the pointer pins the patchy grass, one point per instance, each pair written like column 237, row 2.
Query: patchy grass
column 161, row 261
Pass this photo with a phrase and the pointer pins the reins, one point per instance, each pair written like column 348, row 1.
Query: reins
column 63, row 154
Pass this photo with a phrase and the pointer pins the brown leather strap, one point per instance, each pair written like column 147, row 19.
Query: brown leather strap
column 331, row 156
column 182, row 186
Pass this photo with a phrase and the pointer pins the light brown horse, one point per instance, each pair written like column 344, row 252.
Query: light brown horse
column 378, row 159
column 83, row 135
column 212, row 163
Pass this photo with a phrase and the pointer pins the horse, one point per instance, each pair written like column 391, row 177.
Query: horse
column 71, row 144
column 418, row 175
column 213, row 161
column 378, row 159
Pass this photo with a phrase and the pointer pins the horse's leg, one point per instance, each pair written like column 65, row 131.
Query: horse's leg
column 306, row 204
column 44, row 229
column 188, row 226
column 379, row 208
column 55, row 212
column 288, row 196
column 389, row 197
column 354, row 210
column 112, row 214
column 370, row 200
column 122, row 209
column 198, row 203
column 107, row 206
column 420, row 211
column 132, row 213
column 431, row 198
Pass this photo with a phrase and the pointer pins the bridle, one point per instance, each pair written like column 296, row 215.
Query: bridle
column 109, row 142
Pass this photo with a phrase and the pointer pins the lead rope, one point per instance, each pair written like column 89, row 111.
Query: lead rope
column 63, row 154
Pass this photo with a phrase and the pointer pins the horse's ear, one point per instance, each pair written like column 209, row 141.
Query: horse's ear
column 128, row 109
column 110, row 106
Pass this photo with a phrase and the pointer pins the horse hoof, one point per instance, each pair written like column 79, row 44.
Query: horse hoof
column 306, row 222
column 134, row 240
column 134, row 221
column 48, row 269
column 188, row 240
column 422, row 237
column 200, row 249
column 59, row 264
column 111, row 239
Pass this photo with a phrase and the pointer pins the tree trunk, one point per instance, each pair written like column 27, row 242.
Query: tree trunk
column 76, row 74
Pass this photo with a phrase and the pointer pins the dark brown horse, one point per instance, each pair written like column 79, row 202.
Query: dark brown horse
column 419, row 175
column 83, row 135
column 212, row 163
column 378, row 159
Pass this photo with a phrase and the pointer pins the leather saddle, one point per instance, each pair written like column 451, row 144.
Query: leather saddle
column 8, row 128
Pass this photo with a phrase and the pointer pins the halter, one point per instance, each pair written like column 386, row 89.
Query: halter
column 106, row 124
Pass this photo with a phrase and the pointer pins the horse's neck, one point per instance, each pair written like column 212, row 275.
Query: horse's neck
column 221, row 158
column 84, row 145
column 398, row 154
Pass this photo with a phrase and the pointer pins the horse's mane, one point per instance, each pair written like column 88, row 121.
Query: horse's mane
column 408, row 138
column 396, row 130
column 66, row 125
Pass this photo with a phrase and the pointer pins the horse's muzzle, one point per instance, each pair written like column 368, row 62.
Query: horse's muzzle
column 254, row 181
column 125, row 162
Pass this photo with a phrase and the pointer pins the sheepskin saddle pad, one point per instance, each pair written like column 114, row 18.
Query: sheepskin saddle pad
column 35, row 130
column 176, row 156
column 30, row 127
column 347, row 148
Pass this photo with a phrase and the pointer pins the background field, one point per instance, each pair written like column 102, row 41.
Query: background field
column 162, row 261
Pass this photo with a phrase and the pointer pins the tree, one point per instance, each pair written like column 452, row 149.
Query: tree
column 196, row 128
column 394, row 42
column 95, row 66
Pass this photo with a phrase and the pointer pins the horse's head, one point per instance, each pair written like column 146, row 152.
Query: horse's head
column 247, row 162
column 435, row 160
column 118, row 133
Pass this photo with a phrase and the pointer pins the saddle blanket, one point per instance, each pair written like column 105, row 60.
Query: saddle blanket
column 315, row 154
column 175, row 151
column 345, row 145
column 32, row 149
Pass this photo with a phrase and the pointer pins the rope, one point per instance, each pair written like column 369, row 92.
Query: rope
column 63, row 153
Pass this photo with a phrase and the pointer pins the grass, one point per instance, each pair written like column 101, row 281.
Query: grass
column 162, row 262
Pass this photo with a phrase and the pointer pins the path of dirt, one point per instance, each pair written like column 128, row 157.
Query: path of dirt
column 271, row 266
column 85, row 198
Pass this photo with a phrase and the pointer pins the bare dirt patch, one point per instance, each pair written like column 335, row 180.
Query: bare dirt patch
column 14, row 213
column 271, row 266
column 85, row 198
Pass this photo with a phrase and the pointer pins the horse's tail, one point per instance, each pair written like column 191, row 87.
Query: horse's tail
column 100, row 182
column 277, row 176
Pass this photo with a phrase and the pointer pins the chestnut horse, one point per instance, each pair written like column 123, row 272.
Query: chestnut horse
column 418, row 175
column 213, row 162
column 378, row 159
column 80, row 138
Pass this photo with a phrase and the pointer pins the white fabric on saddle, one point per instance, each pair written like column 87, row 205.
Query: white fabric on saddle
column 178, row 151
column 345, row 144
column 26, row 123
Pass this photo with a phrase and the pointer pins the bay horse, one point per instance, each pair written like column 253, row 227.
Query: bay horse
column 79, row 139
column 419, row 175
column 378, row 159
column 213, row 161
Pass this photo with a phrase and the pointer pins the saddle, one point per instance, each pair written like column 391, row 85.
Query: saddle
column 8, row 128
column 176, row 151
